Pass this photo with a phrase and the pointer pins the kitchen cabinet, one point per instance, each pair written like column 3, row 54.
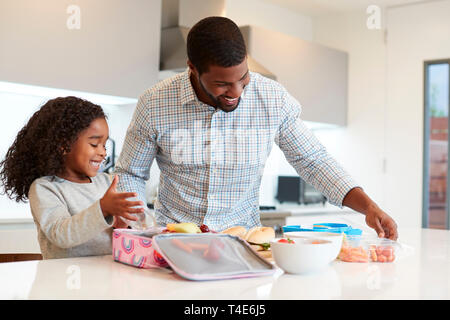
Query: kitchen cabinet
column 104, row 46
column 18, row 237
column 316, row 75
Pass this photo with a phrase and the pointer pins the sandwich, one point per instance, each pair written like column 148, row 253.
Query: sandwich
column 237, row 231
column 259, row 239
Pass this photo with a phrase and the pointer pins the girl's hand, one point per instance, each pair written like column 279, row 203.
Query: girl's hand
column 119, row 223
column 115, row 204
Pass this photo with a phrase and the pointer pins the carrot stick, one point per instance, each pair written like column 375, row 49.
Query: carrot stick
column 182, row 245
column 197, row 246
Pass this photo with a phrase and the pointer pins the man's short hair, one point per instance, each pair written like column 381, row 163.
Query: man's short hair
column 215, row 41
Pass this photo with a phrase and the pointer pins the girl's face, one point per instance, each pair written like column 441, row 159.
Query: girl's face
column 87, row 153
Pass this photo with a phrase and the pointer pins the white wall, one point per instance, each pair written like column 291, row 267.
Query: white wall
column 382, row 144
column 359, row 146
column 415, row 34
column 249, row 12
column 15, row 112
column 268, row 16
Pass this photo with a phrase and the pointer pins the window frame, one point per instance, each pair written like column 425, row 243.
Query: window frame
column 426, row 153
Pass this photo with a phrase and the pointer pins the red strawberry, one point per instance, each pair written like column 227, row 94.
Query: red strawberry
column 286, row 240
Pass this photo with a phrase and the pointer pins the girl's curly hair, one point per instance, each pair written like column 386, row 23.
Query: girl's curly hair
column 40, row 145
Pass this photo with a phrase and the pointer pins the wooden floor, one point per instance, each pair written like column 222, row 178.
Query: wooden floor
column 14, row 257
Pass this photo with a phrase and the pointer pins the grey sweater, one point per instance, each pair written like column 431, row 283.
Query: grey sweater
column 68, row 216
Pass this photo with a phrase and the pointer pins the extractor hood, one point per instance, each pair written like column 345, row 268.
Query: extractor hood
column 173, row 54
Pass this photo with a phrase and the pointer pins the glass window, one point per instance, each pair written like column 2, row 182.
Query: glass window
column 436, row 150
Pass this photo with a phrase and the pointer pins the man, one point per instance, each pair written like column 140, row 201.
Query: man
column 212, row 127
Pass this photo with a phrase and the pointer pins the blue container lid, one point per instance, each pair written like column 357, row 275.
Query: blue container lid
column 354, row 232
column 330, row 225
column 292, row 228
column 325, row 227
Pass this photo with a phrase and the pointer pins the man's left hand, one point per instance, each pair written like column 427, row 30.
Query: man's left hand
column 376, row 218
column 383, row 224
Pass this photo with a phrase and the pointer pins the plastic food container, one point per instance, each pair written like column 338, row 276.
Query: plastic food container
column 135, row 248
column 324, row 227
column 369, row 249
column 211, row 256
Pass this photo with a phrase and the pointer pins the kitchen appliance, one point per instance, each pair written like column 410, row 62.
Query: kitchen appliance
column 288, row 189
column 295, row 189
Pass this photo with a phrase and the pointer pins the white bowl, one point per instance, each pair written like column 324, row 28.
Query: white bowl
column 304, row 256
column 336, row 238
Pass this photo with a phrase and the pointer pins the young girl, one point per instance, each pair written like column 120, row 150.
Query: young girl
column 54, row 162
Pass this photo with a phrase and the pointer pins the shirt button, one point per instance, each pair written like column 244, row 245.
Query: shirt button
column 211, row 108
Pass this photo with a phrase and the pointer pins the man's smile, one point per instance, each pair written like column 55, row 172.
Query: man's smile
column 230, row 101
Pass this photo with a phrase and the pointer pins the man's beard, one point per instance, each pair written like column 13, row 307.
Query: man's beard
column 216, row 102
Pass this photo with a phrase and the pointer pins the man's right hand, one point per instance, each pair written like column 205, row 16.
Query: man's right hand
column 116, row 204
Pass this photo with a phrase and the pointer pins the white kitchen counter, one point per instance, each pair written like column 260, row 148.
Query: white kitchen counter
column 424, row 274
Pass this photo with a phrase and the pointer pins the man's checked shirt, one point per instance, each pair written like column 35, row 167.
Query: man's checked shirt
column 212, row 161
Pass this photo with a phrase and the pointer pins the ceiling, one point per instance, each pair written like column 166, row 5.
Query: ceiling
column 323, row 7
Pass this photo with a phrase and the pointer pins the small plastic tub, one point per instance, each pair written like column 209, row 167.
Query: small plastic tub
column 368, row 249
